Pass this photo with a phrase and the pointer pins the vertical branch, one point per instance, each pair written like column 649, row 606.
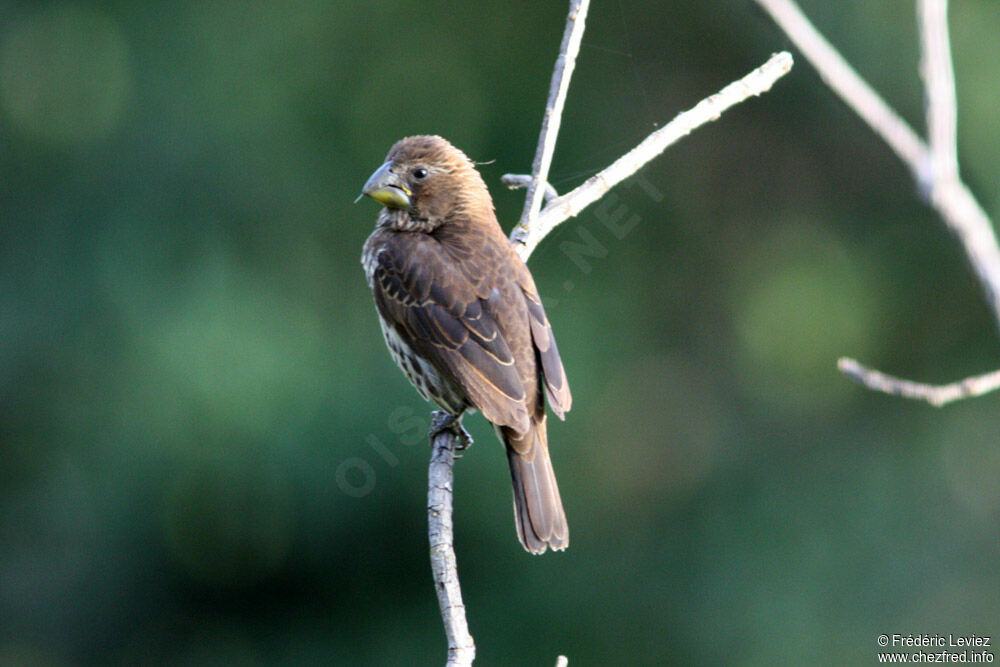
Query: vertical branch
column 440, row 477
column 939, row 84
column 948, row 194
column 445, row 438
column 561, row 75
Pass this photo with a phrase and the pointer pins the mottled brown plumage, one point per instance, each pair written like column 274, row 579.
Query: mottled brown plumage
column 462, row 318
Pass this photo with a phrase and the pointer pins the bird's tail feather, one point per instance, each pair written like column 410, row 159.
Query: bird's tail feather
column 538, row 511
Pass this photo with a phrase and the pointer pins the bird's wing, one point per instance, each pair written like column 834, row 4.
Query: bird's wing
column 556, row 384
column 435, row 308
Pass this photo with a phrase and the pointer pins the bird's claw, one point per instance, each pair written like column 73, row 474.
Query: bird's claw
column 442, row 421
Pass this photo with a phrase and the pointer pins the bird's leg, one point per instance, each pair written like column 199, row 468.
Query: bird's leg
column 445, row 421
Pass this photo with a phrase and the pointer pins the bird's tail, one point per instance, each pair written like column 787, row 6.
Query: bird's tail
column 538, row 510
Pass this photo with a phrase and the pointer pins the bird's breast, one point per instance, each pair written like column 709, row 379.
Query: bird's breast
column 422, row 374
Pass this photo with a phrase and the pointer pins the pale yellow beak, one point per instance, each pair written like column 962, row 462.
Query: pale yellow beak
column 387, row 188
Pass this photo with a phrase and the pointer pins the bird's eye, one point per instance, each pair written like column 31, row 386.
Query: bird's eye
column 419, row 173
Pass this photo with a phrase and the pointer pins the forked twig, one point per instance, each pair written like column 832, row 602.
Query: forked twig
column 568, row 205
column 934, row 165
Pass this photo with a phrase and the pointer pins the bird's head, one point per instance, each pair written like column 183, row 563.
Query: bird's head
column 424, row 183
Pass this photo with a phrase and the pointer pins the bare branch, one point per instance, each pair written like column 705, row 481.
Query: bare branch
column 440, row 477
column 562, row 208
column 561, row 75
column 936, row 395
column 939, row 83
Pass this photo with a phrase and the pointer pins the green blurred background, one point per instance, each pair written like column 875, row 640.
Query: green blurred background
column 209, row 457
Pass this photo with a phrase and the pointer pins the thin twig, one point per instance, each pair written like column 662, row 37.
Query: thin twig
column 561, row 75
column 967, row 219
column 843, row 80
column 440, row 477
column 562, row 208
column 936, row 395
column 518, row 181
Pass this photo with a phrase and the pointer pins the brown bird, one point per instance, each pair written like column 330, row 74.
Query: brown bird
column 462, row 318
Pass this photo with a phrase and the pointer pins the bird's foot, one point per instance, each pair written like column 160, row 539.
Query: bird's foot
column 442, row 421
